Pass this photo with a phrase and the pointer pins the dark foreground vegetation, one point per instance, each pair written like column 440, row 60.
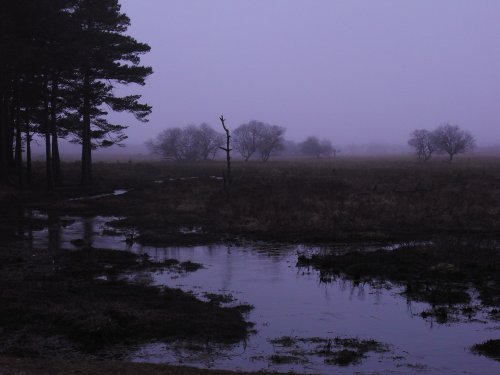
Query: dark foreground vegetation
column 78, row 300
column 62, row 302
column 441, row 274
column 30, row 366
column 490, row 348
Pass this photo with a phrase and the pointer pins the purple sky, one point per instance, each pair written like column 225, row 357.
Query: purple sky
column 351, row 71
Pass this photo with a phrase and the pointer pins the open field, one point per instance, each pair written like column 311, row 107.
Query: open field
column 306, row 201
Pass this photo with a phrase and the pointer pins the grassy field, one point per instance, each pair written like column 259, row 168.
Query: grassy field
column 306, row 201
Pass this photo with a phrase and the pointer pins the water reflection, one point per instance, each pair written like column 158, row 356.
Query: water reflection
column 290, row 302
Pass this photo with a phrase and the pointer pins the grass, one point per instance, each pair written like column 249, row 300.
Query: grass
column 440, row 273
column 62, row 294
column 339, row 351
column 306, row 201
column 57, row 294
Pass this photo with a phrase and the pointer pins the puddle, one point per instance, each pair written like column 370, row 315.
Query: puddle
column 115, row 192
column 217, row 178
column 292, row 302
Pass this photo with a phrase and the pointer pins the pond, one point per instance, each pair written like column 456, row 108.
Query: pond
column 292, row 302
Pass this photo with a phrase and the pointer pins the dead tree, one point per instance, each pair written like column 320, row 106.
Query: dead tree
column 227, row 177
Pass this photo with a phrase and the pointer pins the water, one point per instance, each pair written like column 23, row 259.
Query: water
column 292, row 302
column 115, row 192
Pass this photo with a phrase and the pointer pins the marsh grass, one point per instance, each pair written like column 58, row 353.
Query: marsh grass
column 339, row 351
column 64, row 294
column 344, row 199
column 441, row 274
column 490, row 348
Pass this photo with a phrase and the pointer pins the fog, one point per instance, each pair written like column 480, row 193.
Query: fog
column 354, row 72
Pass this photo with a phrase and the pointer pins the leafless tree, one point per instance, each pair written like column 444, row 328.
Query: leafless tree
column 188, row 144
column 209, row 141
column 270, row 140
column 313, row 147
column 424, row 143
column 227, row 150
column 260, row 137
column 246, row 138
column 452, row 140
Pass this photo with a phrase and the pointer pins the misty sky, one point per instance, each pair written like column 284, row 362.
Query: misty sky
column 351, row 71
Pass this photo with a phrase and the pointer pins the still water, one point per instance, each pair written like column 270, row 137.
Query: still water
column 293, row 302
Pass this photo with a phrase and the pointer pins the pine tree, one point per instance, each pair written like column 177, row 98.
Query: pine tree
column 108, row 57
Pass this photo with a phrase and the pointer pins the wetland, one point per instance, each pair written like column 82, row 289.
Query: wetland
column 174, row 270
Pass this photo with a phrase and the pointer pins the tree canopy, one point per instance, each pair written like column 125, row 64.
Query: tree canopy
column 61, row 61
column 257, row 137
column 448, row 139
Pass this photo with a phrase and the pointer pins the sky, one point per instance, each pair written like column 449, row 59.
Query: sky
column 350, row 71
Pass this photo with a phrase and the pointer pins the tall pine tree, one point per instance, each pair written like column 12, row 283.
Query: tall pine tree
column 108, row 57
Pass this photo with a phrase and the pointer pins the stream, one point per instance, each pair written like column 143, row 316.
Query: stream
column 291, row 301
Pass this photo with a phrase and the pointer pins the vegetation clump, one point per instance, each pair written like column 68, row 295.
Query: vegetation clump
column 490, row 348
column 440, row 274
column 219, row 299
column 83, row 298
column 335, row 351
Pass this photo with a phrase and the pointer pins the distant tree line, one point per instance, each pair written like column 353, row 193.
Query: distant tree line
column 252, row 140
column 59, row 64
column 201, row 142
column 189, row 144
column 446, row 139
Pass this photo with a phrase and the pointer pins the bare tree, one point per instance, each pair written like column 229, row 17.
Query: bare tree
column 246, row 138
column 258, row 137
column 166, row 144
column 227, row 149
column 424, row 143
column 188, row 144
column 209, row 141
column 270, row 140
column 313, row 147
column 452, row 140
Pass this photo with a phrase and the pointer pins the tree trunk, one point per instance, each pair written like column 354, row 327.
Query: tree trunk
column 10, row 110
column 56, row 160
column 18, row 149
column 48, row 150
column 228, row 179
column 28, row 154
column 86, row 134
column 4, row 146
